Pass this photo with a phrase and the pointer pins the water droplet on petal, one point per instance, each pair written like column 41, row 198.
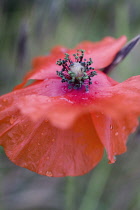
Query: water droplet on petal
column 4, row 100
column 134, row 129
column 66, row 89
column 49, row 173
column 53, row 140
column 42, row 70
column 115, row 158
column 96, row 82
column 12, row 120
column 124, row 128
column 111, row 127
column 38, row 144
column 48, row 158
column 116, row 134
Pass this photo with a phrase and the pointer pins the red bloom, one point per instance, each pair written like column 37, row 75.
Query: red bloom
column 56, row 131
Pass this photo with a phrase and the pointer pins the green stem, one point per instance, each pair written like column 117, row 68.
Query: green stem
column 70, row 193
column 95, row 187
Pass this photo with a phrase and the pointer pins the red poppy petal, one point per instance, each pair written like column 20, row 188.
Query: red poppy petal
column 121, row 99
column 46, row 69
column 61, row 106
column 44, row 66
column 115, row 101
column 104, row 96
column 43, row 99
column 122, row 102
column 113, row 133
column 91, row 45
column 59, row 112
column 58, row 49
column 49, row 151
column 103, row 52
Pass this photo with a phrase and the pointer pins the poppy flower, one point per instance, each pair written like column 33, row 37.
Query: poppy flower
column 59, row 124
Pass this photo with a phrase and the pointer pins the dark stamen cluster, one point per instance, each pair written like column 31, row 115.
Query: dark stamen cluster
column 76, row 73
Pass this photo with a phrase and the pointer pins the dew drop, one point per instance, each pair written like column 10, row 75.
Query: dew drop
column 134, row 129
column 111, row 127
column 124, row 128
column 48, row 158
column 66, row 89
column 113, row 160
column 49, row 173
column 116, row 134
column 12, row 120
column 96, row 82
column 38, row 144
column 53, row 140
column 42, row 134
column 114, row 157
column 4, row 100
column 42, row 70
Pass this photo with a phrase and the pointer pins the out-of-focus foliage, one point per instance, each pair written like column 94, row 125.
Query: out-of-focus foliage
column 31, row 28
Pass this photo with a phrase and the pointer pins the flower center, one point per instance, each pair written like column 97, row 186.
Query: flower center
column 77, row 73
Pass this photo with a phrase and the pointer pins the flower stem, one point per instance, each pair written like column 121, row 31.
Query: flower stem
column 70, row 193
column 95, row 187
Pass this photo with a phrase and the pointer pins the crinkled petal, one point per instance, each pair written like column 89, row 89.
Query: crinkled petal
column 63, row 106
column 114, row 133
column 102, row 54
column 47, row 150
column 60, row 105
column 43, row 99
column 58, row 49
column 57, row 110
column 121, row 99
column 110, row 99
column 88, row 45
column 118, row 118
column 45, row 71
column 44, row 67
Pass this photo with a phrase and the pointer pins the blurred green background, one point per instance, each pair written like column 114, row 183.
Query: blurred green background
column 32, row 27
